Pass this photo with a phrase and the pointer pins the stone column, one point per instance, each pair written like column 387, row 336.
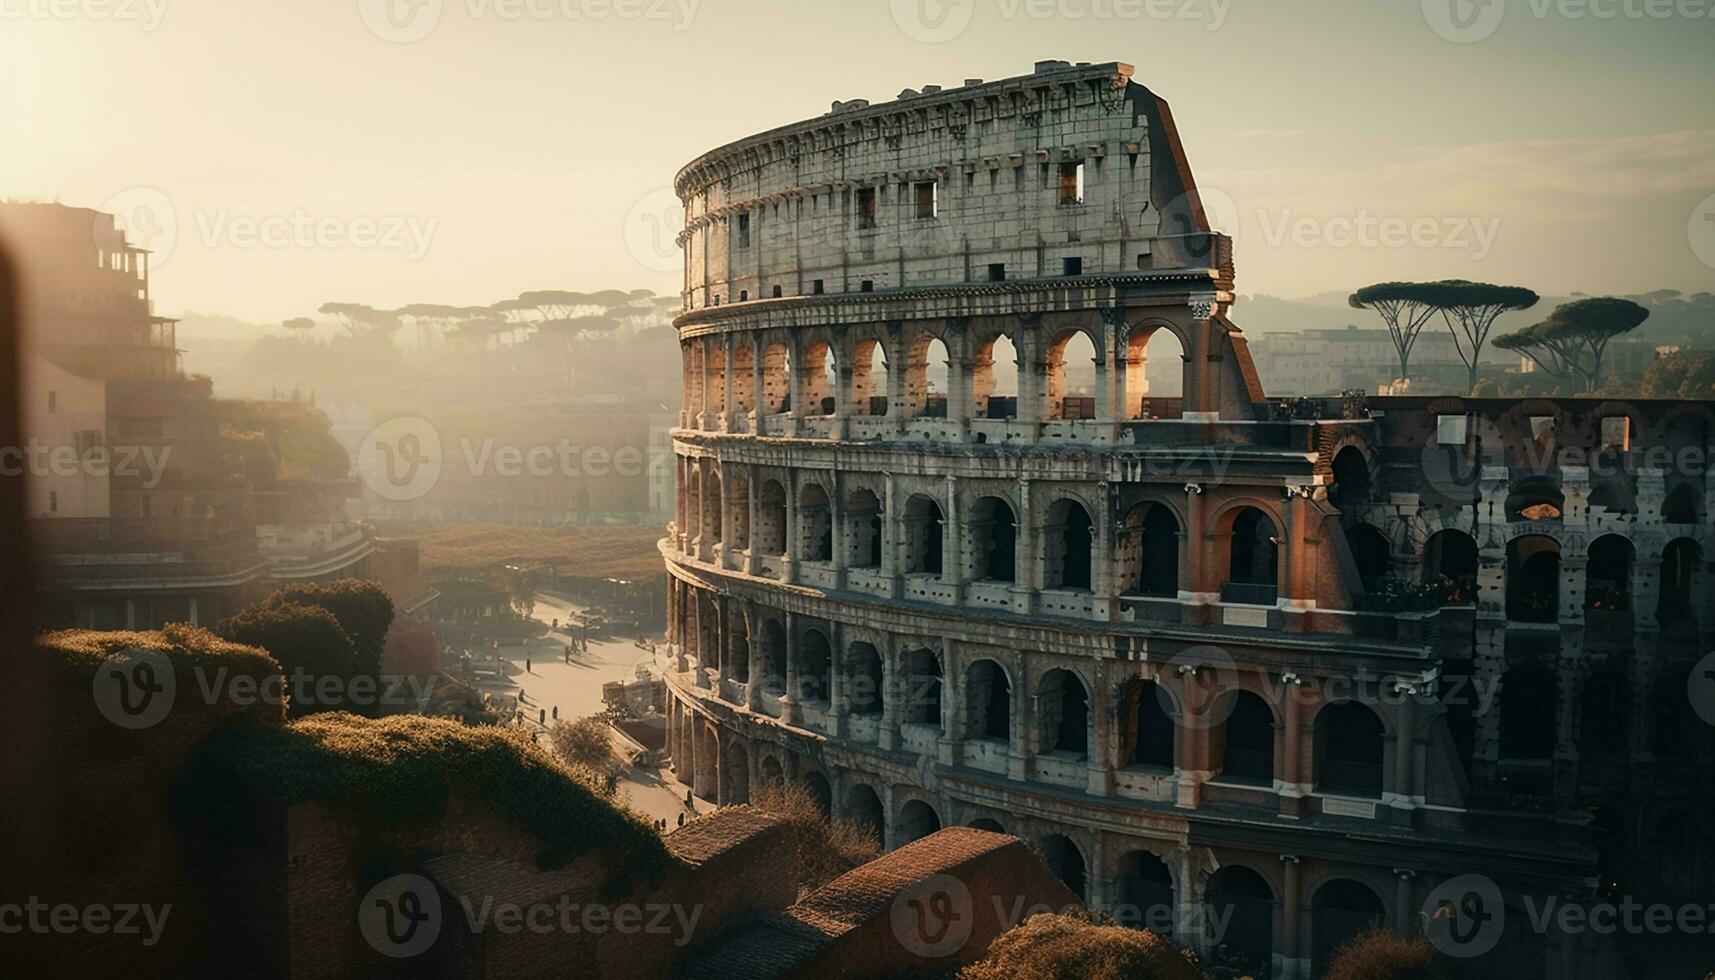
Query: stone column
column 1100, row 761
column 727, row 391
column 703, row 383
column 952, row 547
column 750, row 552
column 755, row 670
column 839, row 698
column 959, row 393
column 1021, row 742
column 1404, row 756
column 890, row 537
column 791, row 711
column 758, row 386
column 1296, row 964
column 952, row 697
column 1293, row 767
column 1404, row 917
column 795, row 387
column 1105, row 605
column 1027, row 575
column 789, row 563
column 898, row 354
column 893, row 690
column 839, row 531
column 842, row 394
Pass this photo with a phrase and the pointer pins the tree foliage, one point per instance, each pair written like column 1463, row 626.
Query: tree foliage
column 1405, row 309
column 362, row 608
column 584, row 742
column 1470, row 309
column 1687, row 374
column 1381, row 955
column 306, row 640
column 1571, row 343
column 827, row 848
column 1062, row 947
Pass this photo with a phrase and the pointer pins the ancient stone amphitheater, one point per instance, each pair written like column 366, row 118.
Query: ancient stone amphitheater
column 984, row 518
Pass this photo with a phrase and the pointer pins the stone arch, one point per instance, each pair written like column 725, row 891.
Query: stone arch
column 1608, row 573
column 773, row 677
column 1242, row 744
column 1243, row 899
column 1148, row 731
column 714, row 375
column 863, row 533
column 743, row 366
column 1682, row 505
column 1063, row 701
column 995, row 373
column 737, row 496
column 708, row 632
column 815, row 667
column 1252, row 537
column 1146, row 892
column 769, row 535
column 928, row 376
column 771, row 772
column 776, row 379
column 921, row 680
column 1065, row 861
column 693, row 500
column 821, row 791
column 988, row 701
column 1074, row 375
column 917, row 819
column 1149, row 549
column 819, row 377
column 869, row 377
column 1535, row 498
column 815, row 523
column 1533, row 579
column 1450, row 556
column 1069, row 539
column 1354, row 481
column 736, row 662
column 735, row 774
column 1350, row 749
column 1157, row 393
column 989, row 824
column 923, row 524
column 1341, row 910
column 864, row 808
column 1680, row 562
column 994, row 540
column 865, row 679
column 713, row 509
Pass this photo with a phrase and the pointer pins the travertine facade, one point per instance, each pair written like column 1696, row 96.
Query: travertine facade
column 1161, row 638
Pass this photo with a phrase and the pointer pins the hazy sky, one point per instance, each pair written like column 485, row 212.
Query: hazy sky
column 297, row 151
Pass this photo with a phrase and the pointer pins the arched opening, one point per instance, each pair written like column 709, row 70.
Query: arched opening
column 772, row 775
column 922, row 688
column 1527, row 712
column 712, row 510
column 864, row 679
column 708, row 633
column 769, row 534
column 994, row 541
column 994, row 380
column 1533, row 579
column 1604, row 719
column 815, row 524
column 1369, row 552
column 926, row 382
column 863, row 529
column 1349, row 750
column 917, row 820
column 1065, row 706
column 773, row 658
column 1679, row 561
column 1066, row 862
column 1149, row 730
column 1341, row 911
column 1683, row 505
column 1243, row 900
column 820, row 379
column 1608, row 574
column 922, row 525
column 820, row 791
column 1616, row 493
column 1253, row 559
column 776, row 380
column 735, row 775
column 738, row 505
column 1154, row 374
column 1352, row 484
column 1145, row 893
column 1150, row 550
column 987, row 823
column 863, row 807
column 714, row 379
column 694, row 501
column 737, row 663
column 691, row 364
column 1072, row 377
column 988, row 701
column 1243, row 744
column 815, row 668
column 869, row 379
column 1450, row 559
column 1069, row 536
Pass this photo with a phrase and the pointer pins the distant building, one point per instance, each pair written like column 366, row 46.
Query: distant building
column 1326, row 362
column 142, row 516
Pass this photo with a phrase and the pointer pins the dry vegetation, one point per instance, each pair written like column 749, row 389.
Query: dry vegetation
column 826, row 849
column 586, row 551
column 1066, row 947
column 1381, row 955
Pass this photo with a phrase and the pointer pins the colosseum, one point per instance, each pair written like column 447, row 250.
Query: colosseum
column 984, row 518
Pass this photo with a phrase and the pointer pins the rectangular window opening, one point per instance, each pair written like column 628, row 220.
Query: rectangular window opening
column 929, row 199
column 1071, row 183
column 866, row 207
column 997, row 272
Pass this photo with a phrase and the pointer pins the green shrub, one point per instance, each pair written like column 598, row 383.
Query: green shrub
column 363, row 609
column 306, row 640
